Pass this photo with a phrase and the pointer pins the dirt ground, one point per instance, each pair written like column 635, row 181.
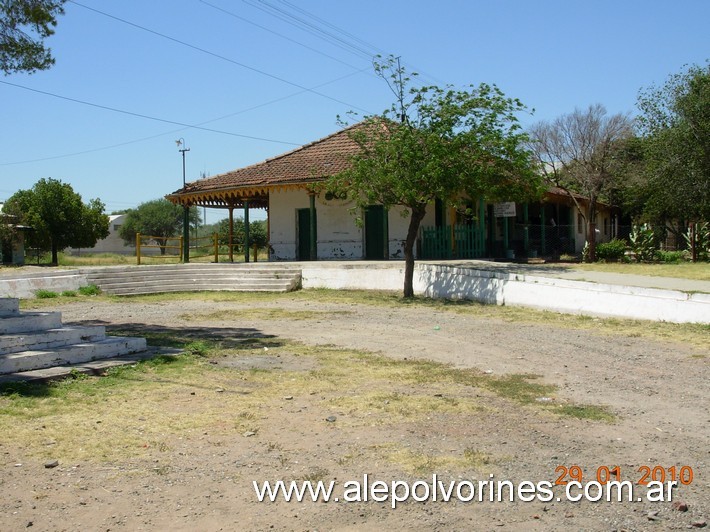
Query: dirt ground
column 658, row 392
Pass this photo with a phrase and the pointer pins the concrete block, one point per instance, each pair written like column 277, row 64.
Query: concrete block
column 73, row 354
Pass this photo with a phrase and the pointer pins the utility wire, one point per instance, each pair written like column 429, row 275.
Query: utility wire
column 308, row 27
column 213, row 54
column 147, row 117
column 329, row 37
column 270, row 102
column 312, row 49
column 324, row 22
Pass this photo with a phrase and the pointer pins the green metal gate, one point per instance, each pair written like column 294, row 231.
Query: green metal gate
column 468, row 242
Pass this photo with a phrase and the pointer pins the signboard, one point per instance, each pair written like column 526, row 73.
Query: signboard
column 504, row 210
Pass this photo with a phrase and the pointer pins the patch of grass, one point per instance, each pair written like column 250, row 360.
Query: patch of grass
column 45, row 294
column 69, row 293
column 260, row 314
column 95, row 259
column 694, row 334
column 699, row 271
column 592, row 412
column 317, row 474
column 426, row 463
column 136, row 409
column 198, row 348
column 89, row 290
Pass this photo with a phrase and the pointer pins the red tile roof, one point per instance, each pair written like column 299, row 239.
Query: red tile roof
column 312, row 162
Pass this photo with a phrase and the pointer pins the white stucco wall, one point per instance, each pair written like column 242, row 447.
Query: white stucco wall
column 339, row 237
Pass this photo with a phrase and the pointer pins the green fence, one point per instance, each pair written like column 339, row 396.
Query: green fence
column 457, row 242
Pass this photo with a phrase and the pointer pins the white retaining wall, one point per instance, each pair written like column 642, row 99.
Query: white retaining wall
column 435, row 280
column 25, row 286
column 558, row 295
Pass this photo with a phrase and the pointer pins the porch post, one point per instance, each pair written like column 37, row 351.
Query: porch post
column 505, row 235
column 386, row 235
column 246, row 230
column 186, row 233
column 482, row 226
column 314, row 247
column 572, row 236
column 542, row 230
column 526, row 231
column 231, row 233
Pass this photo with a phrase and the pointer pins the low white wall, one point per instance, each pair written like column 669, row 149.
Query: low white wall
column 25, row 286
column 561, row 295
column 441, row 281
column 358, row 276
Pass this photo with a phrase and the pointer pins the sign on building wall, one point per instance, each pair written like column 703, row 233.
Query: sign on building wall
column 504, row 210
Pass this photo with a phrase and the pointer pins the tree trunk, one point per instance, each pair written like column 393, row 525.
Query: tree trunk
column 592, row 235
column 55, row 254
column 415, row 219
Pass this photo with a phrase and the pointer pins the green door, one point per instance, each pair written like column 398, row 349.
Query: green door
column 375, row 232
column 304, row 234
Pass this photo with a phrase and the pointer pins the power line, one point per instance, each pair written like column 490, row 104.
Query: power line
column 333, row 26
column 147, row 117
column 309, row 27
column 312, row 49
column 327, row 36
column 213, row 54
column 270, row 102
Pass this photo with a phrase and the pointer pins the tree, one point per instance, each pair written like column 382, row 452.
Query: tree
column 159, row 219
column 675, row 127
column 24, row 24
column 257, row 232
column 577, row 152
column 58, row 216
column 436, row 143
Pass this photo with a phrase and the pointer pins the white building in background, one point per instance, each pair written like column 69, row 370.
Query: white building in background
column 113, row 243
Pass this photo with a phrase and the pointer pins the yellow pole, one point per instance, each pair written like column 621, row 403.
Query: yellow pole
column 138, row 248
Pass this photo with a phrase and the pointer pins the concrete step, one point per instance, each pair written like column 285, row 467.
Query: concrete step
column 50, row 338
column 144, row 290
column 97, row 367
column 111, row 346
column 127, row 280
column 28, row 322
column 9, row 306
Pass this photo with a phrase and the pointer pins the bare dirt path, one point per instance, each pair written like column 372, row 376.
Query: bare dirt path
column 658, row 391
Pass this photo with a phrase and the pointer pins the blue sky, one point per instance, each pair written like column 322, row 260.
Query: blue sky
column 243, row 69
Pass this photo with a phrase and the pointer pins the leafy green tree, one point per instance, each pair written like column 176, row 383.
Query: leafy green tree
column 437, row 143
column 159, row 219
column 24, row 24
column 577, row 153
column 58, row 216
column 257, row 232
column 675, row 127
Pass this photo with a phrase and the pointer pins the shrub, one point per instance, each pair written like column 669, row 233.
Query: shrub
column 702, row 240
column 672, row 257
column 90, row 290
column 643, row 243
column 45, row 294
column 69, row 293
column 611, row 251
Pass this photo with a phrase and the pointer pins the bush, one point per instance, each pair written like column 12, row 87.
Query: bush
column 643, row 243
column 611, row 251
column 702, row 240
column 69, row 293
column 672, row 257
column 90, row 290
column 45, row 294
